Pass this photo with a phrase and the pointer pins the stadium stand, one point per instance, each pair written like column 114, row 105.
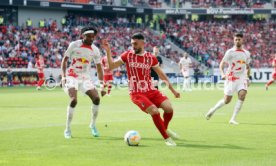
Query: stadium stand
column 207, row 41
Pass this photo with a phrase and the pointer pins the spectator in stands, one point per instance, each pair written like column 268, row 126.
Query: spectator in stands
column 9, row 77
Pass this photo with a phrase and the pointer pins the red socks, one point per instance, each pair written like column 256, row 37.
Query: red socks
column 167, row 118
column 109, row 89
column 40, row 83
column 269, row 83
column 160, row 125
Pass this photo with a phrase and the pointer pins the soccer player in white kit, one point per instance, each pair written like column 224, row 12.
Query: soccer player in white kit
column 185, row 65
column 78, row 76
column 236, row 78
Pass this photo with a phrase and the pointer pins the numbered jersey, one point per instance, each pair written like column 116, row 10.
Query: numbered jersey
column 237, row 60
column 81, row 57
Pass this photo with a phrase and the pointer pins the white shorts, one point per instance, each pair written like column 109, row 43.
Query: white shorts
column 82, row 85
column 186, row 73
column 231, row 87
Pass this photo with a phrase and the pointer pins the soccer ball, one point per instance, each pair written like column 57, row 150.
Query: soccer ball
column 132, row 138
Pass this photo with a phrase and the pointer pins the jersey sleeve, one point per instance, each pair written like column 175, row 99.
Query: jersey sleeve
column 226, row 57
column 248, row 58
column 69, row 50
column 123, row 57
column 97, row 56
column 155, row 62
column 190, row 61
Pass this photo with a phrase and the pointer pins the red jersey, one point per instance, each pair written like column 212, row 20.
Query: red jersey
column 40, row 65
column 138, row 71
column 107, row 71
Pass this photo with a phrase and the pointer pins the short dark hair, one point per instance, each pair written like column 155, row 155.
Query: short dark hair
column 91, row 28
column 239, row 34
column 138, row 36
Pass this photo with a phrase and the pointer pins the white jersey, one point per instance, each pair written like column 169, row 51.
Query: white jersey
column 185, row 62
column 81, row 57
column 237, row 60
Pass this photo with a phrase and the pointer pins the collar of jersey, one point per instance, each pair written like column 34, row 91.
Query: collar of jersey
column 132, row 51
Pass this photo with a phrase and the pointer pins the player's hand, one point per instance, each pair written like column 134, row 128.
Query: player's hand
column 176, row 94
column 223, row 77
column 103, row 93
column 63, row 82
column 155, row 50
column 105, row 45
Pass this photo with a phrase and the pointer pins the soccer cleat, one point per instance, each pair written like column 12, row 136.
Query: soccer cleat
column 38, row 88
column 233, row 122
column 266, row 87
column 67, row 134
column 94, row 131
column 172, row 134
column 170, row 142
column 209, row 114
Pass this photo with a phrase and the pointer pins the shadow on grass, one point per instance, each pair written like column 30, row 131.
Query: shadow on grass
column 259, row 124
column 205, row 146
column 245, row 123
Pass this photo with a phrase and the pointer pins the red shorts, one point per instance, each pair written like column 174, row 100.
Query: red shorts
column 274, row 76
column 108, row 78
column 40, row 75
column 144, row 100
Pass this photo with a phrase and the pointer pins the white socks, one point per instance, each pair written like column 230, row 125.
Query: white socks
column 217, row 106
column 95, row 110
column 236, row 110
column 70, row 112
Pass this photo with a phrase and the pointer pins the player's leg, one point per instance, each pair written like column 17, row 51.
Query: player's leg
column 40, row 80
column 167, row 116
column 241, row 95
column 271, row 81
column 147, row 106
column 229, row 88
column 226, row 100
column 153, row 111
column 109, row 87
column 188, row 83
column 184, row 87
column 72, row 92
column 94, row 96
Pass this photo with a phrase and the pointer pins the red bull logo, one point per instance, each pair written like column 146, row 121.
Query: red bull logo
column 241, row 62
column 82, row 60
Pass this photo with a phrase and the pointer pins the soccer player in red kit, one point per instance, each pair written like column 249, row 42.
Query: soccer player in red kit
column 108, row 75
column 40, row 71
column 273, row 74
column 142, row 91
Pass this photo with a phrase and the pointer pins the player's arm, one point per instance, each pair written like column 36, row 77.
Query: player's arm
column 248, row 70
column 64, row 66
column 221, row 67
column 63, row 70
column 190, row 65
column 273, row 64
column 155, row 51
column 100, row 77
column 164, row 78
column 99, row 71
column 111, row 64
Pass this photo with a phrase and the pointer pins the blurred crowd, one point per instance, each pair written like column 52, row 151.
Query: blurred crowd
column 20, row 46
column 207, row 41
column 178, row 3
column 229, row 3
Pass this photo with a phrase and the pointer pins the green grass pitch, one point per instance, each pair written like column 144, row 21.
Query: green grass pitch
column 32, row 124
